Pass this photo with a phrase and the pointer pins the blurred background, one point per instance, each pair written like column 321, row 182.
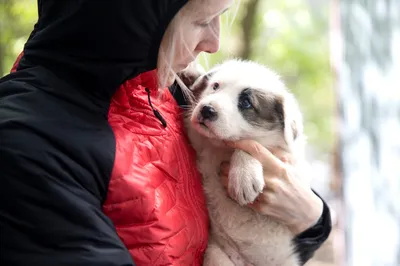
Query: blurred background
column 342, row 61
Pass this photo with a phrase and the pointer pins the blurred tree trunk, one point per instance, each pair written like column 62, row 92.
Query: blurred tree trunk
column 247, row 24
column 369, row 105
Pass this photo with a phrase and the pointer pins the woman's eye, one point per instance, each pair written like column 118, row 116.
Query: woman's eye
column 203, row 24
column 216, row 86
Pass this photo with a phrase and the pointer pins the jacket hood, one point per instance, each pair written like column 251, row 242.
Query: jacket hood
column 98, row 44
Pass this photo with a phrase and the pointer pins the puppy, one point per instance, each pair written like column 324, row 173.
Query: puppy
column 242, row 100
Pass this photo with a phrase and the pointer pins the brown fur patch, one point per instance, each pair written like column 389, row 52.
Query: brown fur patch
column 267, row 111
column 187, row 78
column 201, row 85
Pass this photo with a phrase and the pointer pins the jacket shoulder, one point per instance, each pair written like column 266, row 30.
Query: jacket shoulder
column 51, row 188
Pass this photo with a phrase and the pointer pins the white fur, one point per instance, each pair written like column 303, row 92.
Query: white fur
column 239, row 235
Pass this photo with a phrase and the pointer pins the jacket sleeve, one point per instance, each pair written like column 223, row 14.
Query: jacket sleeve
column 312, row 239
column 48, row 215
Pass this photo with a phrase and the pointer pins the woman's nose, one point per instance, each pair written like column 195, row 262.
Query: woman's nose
column 211, row 43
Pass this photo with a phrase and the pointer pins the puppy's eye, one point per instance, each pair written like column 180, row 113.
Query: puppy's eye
column 215, row 86
column 245, row 102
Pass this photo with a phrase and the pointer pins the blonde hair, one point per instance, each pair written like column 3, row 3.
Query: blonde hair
column 167, row 52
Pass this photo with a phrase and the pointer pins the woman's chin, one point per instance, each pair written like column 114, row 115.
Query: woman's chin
column 172, row 74
column 183, row 66
column 162, row 84
column 170, row 81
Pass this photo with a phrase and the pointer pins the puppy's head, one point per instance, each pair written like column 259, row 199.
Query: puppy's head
column 244, row 100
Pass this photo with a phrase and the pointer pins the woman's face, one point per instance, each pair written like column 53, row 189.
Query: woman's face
column 194, row 29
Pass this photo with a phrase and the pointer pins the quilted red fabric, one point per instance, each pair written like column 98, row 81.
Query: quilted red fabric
column 155, row 198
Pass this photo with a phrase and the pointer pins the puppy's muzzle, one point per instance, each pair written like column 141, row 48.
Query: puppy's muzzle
column 207, row 112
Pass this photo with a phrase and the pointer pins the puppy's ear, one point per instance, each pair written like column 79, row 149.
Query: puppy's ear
column 200, row 85
column 289, row 116
column 190, row 81
column 189, row 75
column 196, row 79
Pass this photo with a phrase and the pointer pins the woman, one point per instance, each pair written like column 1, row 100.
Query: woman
column 95, row 165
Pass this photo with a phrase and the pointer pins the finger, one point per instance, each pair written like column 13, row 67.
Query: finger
column 225, row 181
column 225, row 168
column 284, row 159
column 271, row 185
column 256, row 205
column 280, row 153
column 277, row 151
column 263, row 203
column 262, row 154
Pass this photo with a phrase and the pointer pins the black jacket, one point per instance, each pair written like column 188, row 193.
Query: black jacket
column 56, row 146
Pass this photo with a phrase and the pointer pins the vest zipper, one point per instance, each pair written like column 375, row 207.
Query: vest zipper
column 155, row 111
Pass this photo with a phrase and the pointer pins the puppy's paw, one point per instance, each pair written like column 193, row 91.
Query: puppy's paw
column 246, row 179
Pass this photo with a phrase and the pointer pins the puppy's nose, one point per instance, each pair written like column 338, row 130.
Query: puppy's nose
column 208, row 112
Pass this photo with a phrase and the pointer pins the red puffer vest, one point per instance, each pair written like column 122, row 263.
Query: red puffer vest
column 155, row 198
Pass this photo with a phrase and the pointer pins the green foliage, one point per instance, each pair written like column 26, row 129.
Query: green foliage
column 288, row 36
column 17, row 18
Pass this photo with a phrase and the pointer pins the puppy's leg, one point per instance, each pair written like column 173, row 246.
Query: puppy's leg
column 214, row 256
column 246, row 178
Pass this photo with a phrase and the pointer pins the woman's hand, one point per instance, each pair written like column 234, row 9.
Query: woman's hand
column 284, row 198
